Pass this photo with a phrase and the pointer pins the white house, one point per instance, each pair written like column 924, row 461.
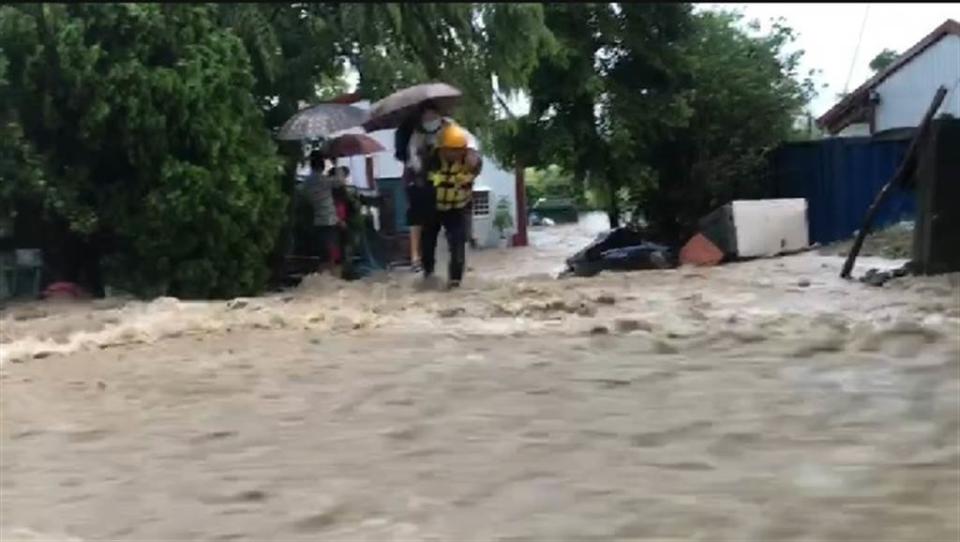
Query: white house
column 898, row 96
column 495, row 181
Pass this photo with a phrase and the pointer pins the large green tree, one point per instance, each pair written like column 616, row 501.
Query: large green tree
column 745, row 96
column 605, row 94
column 660, row 110
column 151, row 140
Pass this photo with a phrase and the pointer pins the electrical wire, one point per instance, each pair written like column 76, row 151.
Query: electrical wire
column 856, row 50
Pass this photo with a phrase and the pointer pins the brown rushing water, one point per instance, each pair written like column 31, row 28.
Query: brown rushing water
column 695, row 404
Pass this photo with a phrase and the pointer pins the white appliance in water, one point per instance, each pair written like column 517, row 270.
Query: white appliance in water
column 771, row 226
column 758, row 228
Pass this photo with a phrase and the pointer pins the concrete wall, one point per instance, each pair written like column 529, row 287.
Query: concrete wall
column 905, row 95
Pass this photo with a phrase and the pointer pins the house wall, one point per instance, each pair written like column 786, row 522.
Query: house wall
column 855, row 130
column 906, row 94
column 500, row 181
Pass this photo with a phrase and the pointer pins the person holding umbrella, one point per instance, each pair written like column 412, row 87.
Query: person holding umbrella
column 419, row 114
column 415, row 141
column 450, row 184
column 349, row 218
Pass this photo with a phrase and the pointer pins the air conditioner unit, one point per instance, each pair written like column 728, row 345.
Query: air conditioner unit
column 483, row 217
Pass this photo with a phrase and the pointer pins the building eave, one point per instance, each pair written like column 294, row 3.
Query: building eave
column 836, row 118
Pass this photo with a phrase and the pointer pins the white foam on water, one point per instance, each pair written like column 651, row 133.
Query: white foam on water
column 22, row 534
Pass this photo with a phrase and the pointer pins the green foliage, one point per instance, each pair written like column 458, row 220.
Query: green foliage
column 550, row 182
column 294, row 53
column 143, row 129
column 502, row 219
column 20, row 174
column 658, row 110
column 467, row 45
column 746, row 97
column 609, row 89
column 300, row 51
column 883, row 59
column 151, row 140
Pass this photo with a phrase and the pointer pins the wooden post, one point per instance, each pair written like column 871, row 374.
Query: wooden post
column 520, row 238
column 903, row 173
column 371, row 180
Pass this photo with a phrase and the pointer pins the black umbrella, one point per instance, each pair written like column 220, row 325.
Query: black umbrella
column 391, row 111
column 321, row 120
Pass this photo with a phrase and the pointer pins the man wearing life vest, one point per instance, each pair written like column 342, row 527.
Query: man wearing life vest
column 450, row 175
column 415, row 142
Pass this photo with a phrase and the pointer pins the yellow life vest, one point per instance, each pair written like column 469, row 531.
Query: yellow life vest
column 453, row 184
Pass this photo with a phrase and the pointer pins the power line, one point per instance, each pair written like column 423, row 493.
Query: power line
column 856, row 50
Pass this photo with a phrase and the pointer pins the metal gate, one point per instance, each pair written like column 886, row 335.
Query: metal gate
column 839, row 178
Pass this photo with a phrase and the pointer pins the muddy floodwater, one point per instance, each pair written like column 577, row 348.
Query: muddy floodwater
column 763, row 400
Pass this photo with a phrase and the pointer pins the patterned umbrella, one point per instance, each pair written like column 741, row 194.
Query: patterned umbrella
column 391, row 111
column 352, row 145
column 321, row 120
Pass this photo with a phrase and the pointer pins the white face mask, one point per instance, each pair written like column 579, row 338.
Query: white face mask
column 430, row 125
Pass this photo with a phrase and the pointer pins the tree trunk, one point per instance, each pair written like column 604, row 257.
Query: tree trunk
column 613, row 215
column 613, row 207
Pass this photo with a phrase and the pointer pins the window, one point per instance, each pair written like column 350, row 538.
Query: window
column 481, row 203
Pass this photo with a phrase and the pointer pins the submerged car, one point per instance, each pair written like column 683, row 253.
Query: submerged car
column 559, row 210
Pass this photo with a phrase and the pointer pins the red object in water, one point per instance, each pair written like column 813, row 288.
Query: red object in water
column 64, row 290
column 700, row 251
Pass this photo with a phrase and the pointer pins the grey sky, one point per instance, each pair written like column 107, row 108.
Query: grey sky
column 828, row 34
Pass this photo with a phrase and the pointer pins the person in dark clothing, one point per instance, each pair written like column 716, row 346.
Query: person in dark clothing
column 450, row 178
column 414, row 142
column 349, row 219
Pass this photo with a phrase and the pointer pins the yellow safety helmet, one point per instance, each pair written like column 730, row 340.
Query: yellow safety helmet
column 453, row 137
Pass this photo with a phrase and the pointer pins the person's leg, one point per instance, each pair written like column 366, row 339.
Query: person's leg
column 416, row 234
column 431, row 229
column 455, row 225
column 346, row 254
column 328, row 240
column 415, row 220
column 323, row 251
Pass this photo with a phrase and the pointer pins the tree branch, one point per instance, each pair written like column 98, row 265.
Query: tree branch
column 503, row 104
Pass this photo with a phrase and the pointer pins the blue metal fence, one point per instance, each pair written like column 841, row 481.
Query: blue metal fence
column 395, row 197
column 839, row 178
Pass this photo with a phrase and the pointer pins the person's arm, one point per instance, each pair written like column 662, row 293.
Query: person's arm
column 413, row 153
column 327, row 182
column 474, row 161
